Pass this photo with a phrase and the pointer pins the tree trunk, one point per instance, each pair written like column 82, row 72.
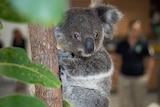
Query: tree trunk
column 44, row 51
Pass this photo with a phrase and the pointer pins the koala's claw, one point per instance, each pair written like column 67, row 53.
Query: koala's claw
column 61, row 73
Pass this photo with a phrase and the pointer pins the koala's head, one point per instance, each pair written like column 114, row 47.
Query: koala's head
column 83, row 30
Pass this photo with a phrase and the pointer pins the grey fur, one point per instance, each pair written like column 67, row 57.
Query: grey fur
column 86, row 77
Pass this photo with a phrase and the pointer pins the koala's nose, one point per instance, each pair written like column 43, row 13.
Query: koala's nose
column 89, row 45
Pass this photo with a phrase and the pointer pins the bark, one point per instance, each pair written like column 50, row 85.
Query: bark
column 44, row 51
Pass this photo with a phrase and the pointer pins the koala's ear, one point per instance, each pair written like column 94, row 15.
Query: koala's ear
column 108, row 16
column 58, row 33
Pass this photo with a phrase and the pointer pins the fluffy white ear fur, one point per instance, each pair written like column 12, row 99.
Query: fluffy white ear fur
column 109, row 16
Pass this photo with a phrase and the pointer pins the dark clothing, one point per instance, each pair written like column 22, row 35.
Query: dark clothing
column 1, row 45
column 132, row 57
column 21, row 44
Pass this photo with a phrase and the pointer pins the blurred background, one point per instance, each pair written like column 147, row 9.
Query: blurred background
column 148, row 11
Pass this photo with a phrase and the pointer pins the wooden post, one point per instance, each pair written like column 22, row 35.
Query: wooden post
column 44, row 51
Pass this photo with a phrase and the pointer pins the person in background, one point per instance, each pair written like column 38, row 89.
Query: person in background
column 1, row 79
column 1, row 44
column 134, row 75
column 19, row 41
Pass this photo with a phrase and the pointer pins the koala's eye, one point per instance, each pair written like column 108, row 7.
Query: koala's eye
column 77, row 37
column 96, row 35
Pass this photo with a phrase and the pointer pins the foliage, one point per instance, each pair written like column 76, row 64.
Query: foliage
column 21, row 101
column 1, row 26
column 8, row 13
column 45, row 12
column 66, row 104
column 15, row 64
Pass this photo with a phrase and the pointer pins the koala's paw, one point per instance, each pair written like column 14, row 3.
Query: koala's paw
column 66, row 64
column 62, row 74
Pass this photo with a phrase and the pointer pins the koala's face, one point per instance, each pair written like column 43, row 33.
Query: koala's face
column 83, row 30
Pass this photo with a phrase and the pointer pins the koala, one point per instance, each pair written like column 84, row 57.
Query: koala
column 85, row 65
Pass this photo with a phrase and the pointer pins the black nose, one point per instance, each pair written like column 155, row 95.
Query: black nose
column 89, row 45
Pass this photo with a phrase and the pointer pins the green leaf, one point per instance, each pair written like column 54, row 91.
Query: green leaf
column 47, row 12
column 45, row 76
column 15, row 64
column 9, row 14
column 1, row 26
column 14, row 55
column 66, row 104
column 21, row 101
